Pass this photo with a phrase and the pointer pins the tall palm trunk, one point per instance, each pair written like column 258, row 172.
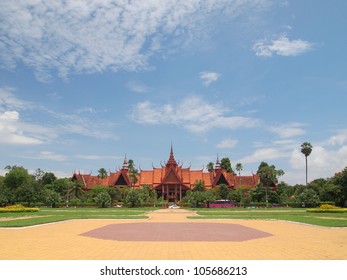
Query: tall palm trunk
column 306, row 170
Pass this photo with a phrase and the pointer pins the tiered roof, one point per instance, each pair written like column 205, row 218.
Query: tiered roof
column 171, row 173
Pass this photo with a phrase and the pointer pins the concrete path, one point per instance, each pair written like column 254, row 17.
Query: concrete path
column 64, row 241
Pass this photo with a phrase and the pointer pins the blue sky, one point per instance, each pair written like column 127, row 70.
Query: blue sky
column 82, row 83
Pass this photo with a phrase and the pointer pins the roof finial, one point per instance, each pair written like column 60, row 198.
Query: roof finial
column 217, row 162
column 172, row 158
column 125, row 162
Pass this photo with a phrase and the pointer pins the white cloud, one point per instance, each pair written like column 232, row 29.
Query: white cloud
column 12, row 131
column 138, row 87
column 281, row 46
column 9, row 101
column 51, row 156
column 227, row 143
column 209, row 77
column 263, row 155
column 47, row 155
column 326, row 158
column 85, row 110
column 323, row 162
column 338, row 139
column 191, row 113
column 98, row 157
column 94, row 36
column 288, row 130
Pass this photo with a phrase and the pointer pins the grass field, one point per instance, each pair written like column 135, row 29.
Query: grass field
column 49, row 215
column 285, row 214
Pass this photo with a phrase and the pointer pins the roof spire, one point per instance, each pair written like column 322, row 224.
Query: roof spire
column 172, row 158
column 125, row 162
column 218, row 163
column 171, row 151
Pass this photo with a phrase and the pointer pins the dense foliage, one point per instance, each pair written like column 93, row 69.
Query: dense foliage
column 43, row 188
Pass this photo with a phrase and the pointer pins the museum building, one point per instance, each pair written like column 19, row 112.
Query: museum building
column 171, row 181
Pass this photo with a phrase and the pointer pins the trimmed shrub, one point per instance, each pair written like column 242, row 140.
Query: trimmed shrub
column 327, row 208
column 318, row 210
column 17, row 208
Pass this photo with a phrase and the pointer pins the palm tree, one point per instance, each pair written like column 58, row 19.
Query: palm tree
column 306, row 149
column 75, row 188
column 102, row 173
column 210, row 167
column 133, row 172
column 239, row 168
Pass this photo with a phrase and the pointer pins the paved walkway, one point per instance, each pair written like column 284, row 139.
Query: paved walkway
column 64, row 241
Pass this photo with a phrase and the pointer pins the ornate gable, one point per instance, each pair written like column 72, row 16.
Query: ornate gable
column 122, row 180
column 171, row 168
column 172, row 178
column 221, row 180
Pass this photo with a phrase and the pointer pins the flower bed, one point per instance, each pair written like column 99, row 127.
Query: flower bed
column 327, row 208
column 17, row 208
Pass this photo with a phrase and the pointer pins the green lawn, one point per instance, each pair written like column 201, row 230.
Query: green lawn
column 49, row 215
column 285, row 214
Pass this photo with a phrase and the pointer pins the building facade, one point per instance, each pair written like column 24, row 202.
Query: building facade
column 171, row 181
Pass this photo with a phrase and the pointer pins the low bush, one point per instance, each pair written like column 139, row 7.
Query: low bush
column 318, row 210
column 17, row 208
column 327, row 208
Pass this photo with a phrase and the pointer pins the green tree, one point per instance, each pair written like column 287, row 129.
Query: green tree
column 3, row 195
column 15, row 181
column 17, row 176
column 326, row 189
column 223, row 191
column 60, row 186
column 308, row 198
column 38, row 174
column 258, row 194
column 134, row 198
column 210, row 167
column 103, row 199
column 239, row 168
column 306, row 149
column 199, row 186
column 235, row 195
column 194, row 198
column 285, row 192
column 95, row 190
column 148, row 194
column 225, row 164
column 274, row 197
column 115, row 194
column 209, row 196
column 340, row 179
column 133, row 172
column 48, row 178
column 52, row 197
column 75, row 190
column 102, row 173
column 268, row 177
column 199, row 196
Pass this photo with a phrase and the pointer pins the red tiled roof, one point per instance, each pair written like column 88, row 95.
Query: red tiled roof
column 146, row 177
column 170, row 174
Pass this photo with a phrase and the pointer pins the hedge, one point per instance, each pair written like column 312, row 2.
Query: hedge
column 328, row 208
column 318, row 210
column 17, row 208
